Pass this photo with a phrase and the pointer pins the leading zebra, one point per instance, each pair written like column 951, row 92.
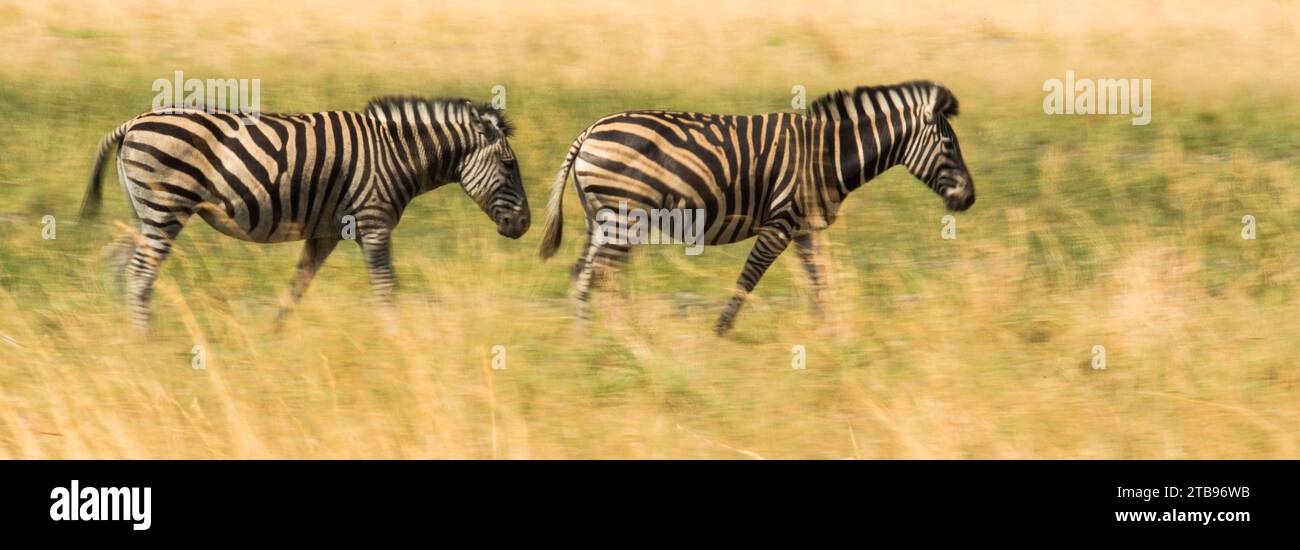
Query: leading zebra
column 776, row 176
column 285, row 177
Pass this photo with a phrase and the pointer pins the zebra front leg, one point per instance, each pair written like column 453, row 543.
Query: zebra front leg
column 376, row 246
column 313, row 255
column 157, row 236
column 771, row 242
column 807, row 250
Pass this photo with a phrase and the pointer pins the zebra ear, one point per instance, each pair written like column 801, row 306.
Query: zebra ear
column 941, row 102
column 931, row 104
column 484, row 127
column 489, row 123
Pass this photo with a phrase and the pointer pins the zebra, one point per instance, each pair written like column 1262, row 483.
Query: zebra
column 310, row 176
column 778, row 177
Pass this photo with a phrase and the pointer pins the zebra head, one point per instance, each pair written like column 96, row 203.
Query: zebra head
column 489, row 172
column 934, row 156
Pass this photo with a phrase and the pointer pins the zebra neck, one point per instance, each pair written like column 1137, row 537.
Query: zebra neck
column 415, row 160
column 859, row 151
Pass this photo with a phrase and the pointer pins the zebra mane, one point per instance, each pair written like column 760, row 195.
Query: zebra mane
column 833, row 103
column 381, row 106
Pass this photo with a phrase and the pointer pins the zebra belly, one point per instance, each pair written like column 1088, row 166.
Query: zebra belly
column 225, row 225
column 716, row 229
column 608, row 177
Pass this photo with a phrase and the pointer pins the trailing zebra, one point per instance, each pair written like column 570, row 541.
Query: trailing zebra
column 777, row 176
column 286, row 177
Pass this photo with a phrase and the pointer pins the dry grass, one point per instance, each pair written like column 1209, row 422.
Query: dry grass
column 1088, row 232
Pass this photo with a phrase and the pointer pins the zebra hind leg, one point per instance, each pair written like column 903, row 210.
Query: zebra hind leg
column 158, row 233
column 769, row 245
column 583, row 257
column 584, row 279
column 119, row 254
column 599, row 268
column 314, row 253
column 583, row 260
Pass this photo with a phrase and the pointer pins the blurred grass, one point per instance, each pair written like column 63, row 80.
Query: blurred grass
column 1088, row 231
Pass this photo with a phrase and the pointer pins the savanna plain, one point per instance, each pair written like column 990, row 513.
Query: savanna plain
column 1089, row 231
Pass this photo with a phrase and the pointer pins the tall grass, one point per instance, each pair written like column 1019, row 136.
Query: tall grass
column 1088, row 231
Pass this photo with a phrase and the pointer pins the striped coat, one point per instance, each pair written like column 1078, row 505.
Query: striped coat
column 774, row 177
column 312, row 177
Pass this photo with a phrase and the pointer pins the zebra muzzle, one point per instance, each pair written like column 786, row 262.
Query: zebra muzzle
column 514, row 224
column 960, row 197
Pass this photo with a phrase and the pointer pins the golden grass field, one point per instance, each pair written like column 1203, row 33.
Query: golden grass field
column 1088, row 231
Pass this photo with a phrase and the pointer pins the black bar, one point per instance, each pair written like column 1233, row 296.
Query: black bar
column 321, row 499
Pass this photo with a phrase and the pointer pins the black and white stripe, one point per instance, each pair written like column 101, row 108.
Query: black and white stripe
column 775, row 176
column 284, row 177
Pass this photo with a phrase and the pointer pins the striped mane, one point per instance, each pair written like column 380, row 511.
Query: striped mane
column 833, row 104
column 381, row 107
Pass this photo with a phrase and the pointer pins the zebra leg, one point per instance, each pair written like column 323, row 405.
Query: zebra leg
column 771, row 242
column 583, row 260
column 804, row 246
column 583, row 281
column 313, row 255
column 599, row 268
column 141, row 272
column 119, row 257
column 376, row 246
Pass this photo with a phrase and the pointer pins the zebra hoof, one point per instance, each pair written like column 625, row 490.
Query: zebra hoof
column 722, row 327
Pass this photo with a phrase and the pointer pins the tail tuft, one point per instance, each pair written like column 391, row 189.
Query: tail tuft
column 555, row 206
column 95, row 188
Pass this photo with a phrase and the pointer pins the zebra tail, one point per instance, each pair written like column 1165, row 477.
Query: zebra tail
column 94, row 189
column 555, row 206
